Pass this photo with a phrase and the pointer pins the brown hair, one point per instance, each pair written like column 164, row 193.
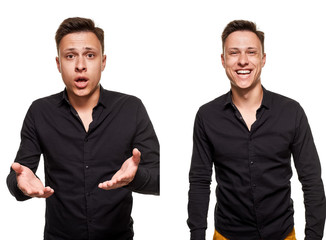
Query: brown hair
column 77, row 24
column 242, row 25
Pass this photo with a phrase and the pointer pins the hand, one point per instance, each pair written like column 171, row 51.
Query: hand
column 126, row 173
column 29, row 184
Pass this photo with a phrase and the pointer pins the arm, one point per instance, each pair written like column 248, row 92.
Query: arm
column 307, row 163
column 21, row 181
column 29, row 184
column 140, row 173
column 200, row 179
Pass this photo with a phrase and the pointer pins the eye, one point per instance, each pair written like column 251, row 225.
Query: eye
column 233, row 52
column 70, row 56
column 252, row 52
column 90, row 55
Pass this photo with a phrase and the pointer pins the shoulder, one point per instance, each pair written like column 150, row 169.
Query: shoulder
column 215, row 106
column 281, row 101
column 113, row 98
column 47, row 102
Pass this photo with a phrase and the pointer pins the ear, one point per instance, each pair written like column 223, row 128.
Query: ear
column 264, row 59
column 58, row 64
column 222, row 59
column 103, row 62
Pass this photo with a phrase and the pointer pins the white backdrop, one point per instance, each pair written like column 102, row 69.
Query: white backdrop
column 168, row 54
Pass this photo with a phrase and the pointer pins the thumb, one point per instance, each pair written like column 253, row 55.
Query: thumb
column 136, row 156
column 17, row 168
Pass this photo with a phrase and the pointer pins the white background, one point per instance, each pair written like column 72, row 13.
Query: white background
column 168, row 54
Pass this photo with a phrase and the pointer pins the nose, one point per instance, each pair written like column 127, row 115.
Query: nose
column 243, row 60
column 80, row 65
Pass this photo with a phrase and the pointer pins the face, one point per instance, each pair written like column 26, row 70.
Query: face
column 81, row 63
column 243, row 59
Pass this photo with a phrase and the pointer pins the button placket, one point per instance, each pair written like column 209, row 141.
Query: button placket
column 87, row 173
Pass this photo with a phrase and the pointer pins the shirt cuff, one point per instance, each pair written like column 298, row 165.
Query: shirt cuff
column 198, row 234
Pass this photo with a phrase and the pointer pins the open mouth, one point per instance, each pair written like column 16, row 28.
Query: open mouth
column 243, row 72
column 81, row 82
column 81, row 79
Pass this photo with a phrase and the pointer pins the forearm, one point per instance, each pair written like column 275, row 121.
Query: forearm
column 28, row 155
column 315, row 205
column 147, row 178
column 197, row 210
column 146, row 181
column 200, row 176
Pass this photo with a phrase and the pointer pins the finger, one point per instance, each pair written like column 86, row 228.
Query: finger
column 113, row 186
column 108, row 185
column 47, row 194
column 105, row 184
column 136, row 156
column 31, row 193
column 48, row 190
column 43, row 193
column 17, row 168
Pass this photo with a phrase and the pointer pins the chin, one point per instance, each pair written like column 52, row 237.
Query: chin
column 242, row 85
column 81, row 93
column 248, row 84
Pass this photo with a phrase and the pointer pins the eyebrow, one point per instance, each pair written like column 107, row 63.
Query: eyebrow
column 73, row 49
column 235, row 48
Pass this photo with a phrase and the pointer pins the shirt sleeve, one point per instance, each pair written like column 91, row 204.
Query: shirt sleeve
column 307, row 163
column 28, row 155
column 200, row 176
column 147, row 178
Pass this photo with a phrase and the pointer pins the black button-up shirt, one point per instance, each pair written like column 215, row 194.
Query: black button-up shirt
column 76, row 161
column 253, row 170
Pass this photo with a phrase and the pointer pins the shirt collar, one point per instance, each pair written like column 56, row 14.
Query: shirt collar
column 64, row 98
column 266, row 102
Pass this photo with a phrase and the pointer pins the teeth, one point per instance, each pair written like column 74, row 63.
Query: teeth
column 243, row 71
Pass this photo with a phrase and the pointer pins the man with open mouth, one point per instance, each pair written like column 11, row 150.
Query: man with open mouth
column 98, row 146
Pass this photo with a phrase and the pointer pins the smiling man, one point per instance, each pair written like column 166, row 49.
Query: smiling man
column 98, row 146
column 249, row 135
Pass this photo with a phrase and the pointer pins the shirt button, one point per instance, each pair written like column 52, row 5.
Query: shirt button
column 252, row 162
column 87, row 167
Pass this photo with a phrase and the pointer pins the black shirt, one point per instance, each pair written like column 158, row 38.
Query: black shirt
column 76, row 161
column 253, row 170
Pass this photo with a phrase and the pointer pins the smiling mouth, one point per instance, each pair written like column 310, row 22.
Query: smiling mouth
column 243, row 72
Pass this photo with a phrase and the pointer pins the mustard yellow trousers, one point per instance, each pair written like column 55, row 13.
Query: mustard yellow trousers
column 218, row 236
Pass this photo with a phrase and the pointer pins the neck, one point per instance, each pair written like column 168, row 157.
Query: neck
column 84, row 103
column 250, row 98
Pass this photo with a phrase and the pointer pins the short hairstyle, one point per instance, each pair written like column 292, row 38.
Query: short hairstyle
column 242, row 25
column 77, row 24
